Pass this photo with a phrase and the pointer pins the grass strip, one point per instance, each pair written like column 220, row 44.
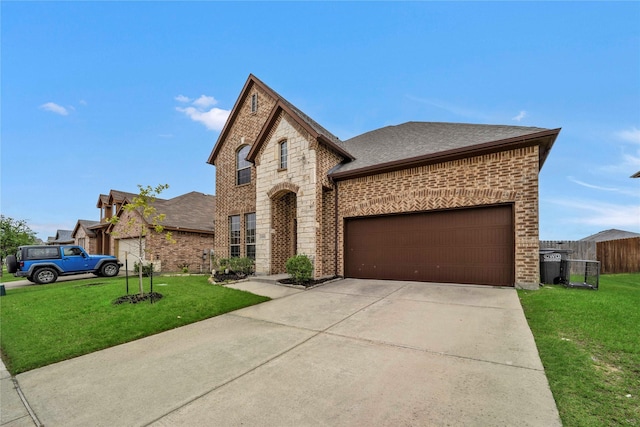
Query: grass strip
column 589, row 343
column 44, row 324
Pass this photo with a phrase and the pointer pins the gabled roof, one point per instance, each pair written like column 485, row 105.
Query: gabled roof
column 314, row 128
column 62, row 237
column 117, row 196
column 613, row 234
column 85, row 224
column 316, row 131
column 193, row 212
column 417, row 143
column 114, row 196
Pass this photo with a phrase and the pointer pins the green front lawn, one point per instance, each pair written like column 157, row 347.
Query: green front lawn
column 589, row 343
column 8, row 277
column 43, row 324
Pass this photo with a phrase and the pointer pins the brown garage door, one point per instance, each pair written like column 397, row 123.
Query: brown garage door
column 456, row 246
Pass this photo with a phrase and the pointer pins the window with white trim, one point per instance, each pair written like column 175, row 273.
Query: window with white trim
column 284, row 152
column 250, row 235
column 243, row 167
column 234, row 236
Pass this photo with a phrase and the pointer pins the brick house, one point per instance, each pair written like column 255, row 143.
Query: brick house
column 188, row 217
column 438, row 202
column 62, row 237
column 85, row 236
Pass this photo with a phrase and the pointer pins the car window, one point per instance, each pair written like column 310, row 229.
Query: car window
column 42, row 253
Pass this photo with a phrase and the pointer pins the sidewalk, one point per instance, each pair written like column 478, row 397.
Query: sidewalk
column 13, row 412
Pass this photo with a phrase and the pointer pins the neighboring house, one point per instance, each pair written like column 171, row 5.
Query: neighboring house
column 188, row 217
column 437, row 202
column 62, row 237
column 607, row 235
column 108, row 204
column 85, row 236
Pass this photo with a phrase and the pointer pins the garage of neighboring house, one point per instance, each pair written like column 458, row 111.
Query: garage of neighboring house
column 473, row 245
column 129, row 250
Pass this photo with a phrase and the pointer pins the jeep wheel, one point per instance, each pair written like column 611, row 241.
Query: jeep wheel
column 110, row 269
column 45, row 275
column 12, row 264
column 29, row 278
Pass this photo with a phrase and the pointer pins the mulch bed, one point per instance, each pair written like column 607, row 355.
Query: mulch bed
column 231, row 276
column 308, row 283
column 136, row 298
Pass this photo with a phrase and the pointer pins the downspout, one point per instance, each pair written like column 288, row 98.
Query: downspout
column 335, row 238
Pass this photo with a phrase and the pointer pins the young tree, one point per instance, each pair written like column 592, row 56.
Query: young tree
column 14, row 233
column 143, row 203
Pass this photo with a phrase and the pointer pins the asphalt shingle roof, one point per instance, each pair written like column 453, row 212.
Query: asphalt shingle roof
column 415, row 139
column 613, row 234
column 193, row 211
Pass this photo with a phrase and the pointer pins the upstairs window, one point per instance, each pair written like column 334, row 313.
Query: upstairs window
column 254, row 103
column 283, row 154
column 243, row 167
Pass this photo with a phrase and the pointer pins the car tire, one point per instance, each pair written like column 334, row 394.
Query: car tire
column 12, row 264
column 109, row 269
column 45, row 276
column 29, row 278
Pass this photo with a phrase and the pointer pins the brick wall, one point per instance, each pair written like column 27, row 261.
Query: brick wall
column 187, row 249
column 90, row 243
column 325, row 212
column 504, row 177
column 232, row 199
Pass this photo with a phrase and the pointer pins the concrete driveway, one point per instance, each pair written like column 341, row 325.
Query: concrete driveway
column 353, row 352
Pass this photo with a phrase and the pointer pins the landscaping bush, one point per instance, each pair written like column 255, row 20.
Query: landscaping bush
column 241, row 265
column 299, row 268
column 146, row 269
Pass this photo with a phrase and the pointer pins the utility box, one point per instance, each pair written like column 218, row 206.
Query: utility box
column 554, row 267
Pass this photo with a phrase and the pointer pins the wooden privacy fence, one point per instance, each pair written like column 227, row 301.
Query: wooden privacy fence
column 619, row 256
column 615, row 256
column 580, row 249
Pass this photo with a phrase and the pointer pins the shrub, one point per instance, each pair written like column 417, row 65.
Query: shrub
column 183, row 266
column 146, row 269
column 241, row 265
column 300, row 269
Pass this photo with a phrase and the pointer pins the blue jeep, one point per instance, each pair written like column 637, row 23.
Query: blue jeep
column 43, row 264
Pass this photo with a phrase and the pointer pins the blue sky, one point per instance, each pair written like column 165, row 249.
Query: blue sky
column 107, row 95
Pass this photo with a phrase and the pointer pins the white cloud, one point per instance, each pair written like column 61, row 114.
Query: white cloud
column 606, row 215
column 610, row 189
column 205, row 101
column 54, row 108
column 632, row 135
column 451, row 108
column 521, row 115
column 83, row 102
column 213, row 119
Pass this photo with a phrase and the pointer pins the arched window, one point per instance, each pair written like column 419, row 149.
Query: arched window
column 243, row 167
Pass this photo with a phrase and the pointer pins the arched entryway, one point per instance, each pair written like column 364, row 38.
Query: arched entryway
column 284, row 223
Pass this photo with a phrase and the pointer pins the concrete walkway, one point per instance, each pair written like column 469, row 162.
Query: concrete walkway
column 352, row 352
